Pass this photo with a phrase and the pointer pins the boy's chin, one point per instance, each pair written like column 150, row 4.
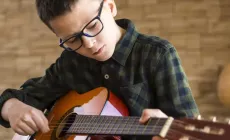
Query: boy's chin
column 103, row 58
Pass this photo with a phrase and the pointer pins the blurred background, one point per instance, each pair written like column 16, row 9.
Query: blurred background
column 199, row 29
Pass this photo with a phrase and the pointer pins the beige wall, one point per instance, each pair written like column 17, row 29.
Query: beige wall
column 199, row 29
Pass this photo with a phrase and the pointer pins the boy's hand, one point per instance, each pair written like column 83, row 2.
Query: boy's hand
column 147, row 113
column 24, row 119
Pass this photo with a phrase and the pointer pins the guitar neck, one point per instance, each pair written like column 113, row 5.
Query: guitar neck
column 116, row 125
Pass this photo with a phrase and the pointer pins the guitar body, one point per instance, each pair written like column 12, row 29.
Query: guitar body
column 100, row 115
column 95, row 102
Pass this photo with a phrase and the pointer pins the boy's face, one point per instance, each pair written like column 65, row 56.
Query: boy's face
column 99, row 47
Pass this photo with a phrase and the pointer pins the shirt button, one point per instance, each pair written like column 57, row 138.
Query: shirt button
column 106, row 76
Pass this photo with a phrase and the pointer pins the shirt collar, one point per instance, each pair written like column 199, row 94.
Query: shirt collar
column 125, row 45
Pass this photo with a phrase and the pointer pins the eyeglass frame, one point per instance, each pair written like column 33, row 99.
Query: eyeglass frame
column 81, row 33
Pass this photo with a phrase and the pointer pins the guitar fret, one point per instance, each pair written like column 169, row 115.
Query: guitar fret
column 128, row 125
column 99, row 124
column 106, row 123
column 113, row 129
column 85, row 124
column 111, row 125
column 94, row 125
column 103, row 125
column 139, row 128
column 123, row 124
column 85, row 120
column 118, row 126
column 133, row 126
column 146, row 126
column 76, row 126
column 72, row 129
column 154, row 126
column 81, row 125
column 89, row 127
column 136, row 126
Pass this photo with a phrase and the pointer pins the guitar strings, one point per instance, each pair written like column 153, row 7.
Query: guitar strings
column 171, row 132
column 171, row 135
column 176, row 122
column 87, row 125
column 110, row 118
column 53, row 125
column 137, row 125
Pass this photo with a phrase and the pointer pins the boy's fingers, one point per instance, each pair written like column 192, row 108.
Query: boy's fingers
column 147, row 113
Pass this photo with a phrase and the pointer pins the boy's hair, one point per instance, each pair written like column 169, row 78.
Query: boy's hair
column 49, row 9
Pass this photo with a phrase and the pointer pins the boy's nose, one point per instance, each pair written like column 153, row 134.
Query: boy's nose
column 88, row 42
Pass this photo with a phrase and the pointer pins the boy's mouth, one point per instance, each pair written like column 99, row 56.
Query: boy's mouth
column 99, row 50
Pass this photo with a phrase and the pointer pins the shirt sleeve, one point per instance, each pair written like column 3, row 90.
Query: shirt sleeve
column 174, row 95
column 38, row 92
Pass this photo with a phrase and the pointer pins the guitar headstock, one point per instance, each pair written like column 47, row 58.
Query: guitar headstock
column 199, row 129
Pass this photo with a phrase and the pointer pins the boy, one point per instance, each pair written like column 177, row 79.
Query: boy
column 144, row 71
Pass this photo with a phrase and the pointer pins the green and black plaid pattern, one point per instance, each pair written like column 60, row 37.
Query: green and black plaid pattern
column 144, row 71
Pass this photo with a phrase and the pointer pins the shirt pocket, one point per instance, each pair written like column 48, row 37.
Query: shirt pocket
column 133, row 96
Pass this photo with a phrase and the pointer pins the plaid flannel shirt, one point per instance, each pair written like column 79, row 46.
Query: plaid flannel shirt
column 144, row 71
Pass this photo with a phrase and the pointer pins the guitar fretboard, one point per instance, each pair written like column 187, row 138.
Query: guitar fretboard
column 115, row 125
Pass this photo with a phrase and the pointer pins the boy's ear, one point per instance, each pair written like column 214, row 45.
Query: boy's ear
column 112, row 6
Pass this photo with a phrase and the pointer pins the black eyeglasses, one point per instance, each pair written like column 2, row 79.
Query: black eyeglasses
column 93, row 28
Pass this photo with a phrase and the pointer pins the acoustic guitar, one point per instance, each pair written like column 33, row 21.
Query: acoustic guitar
column 100, row 115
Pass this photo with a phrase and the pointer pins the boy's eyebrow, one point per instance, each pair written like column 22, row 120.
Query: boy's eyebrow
column 69, row 36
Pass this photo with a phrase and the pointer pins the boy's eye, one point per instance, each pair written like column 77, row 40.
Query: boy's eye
column 92, row 26
column 72, row 40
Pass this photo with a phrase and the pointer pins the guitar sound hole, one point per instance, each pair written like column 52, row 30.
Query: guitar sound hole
column 65, row 125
